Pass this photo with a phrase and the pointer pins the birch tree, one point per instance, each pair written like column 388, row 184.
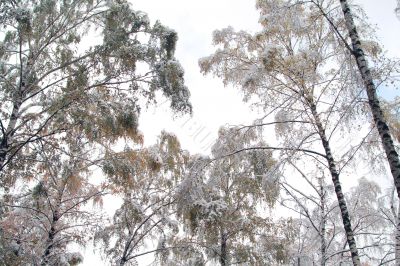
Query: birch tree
column 357, row 51
column 314, row 211
column 390, row 211
column 295, row 70
column 145, row 179
column 324, row 242
column 227, row 210
column 80, row 66
column 41, row 220
column 391, row 111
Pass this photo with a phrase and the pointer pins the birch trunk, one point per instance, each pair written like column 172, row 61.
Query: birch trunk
column 51, row 235
column 10, row 130
column 122, row 262
column 223, row 259
column 323, row 224
column 338, row 187
column 379, row 119
column 18, row 97
column 397, row 244
column 124, row 259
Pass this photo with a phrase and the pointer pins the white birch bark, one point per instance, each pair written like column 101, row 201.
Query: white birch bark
column 338, row 187
column 377, row 113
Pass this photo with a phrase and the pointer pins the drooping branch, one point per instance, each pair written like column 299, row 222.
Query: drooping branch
column 269, row 148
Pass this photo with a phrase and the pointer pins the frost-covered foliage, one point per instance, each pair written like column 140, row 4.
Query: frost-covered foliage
column 392, row 114
column 371, row 227
column 77, row 71
column 224, row 203
column 126, row 168
column 40, row 220
column 146, row 180
column 287, row 64
column 170, row 78
column 295, row 56
column 53, row 80
column 391, row 110
column 319, row 219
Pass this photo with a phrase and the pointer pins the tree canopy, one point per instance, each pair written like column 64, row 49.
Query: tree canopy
column 303, row 184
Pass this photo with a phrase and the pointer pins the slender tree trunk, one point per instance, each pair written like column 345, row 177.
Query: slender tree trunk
column 3, row 151
column 379, row 119
column 125, row 253
column 123, row 259
column 223, row 259
column 338, row 187
column 122, row 262
column 52, row 232
column 323, row 224
column 50, row 240
column 18, row 96
column 397, row 245
column 9, row 132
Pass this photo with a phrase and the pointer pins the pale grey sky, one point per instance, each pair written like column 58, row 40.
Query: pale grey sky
column 215, row 105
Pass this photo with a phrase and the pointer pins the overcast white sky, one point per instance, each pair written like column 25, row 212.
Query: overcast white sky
column 214, row 105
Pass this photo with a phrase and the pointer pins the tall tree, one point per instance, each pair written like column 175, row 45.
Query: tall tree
column 283, row 69
column 357, row 51
column 381, row 123
column 53, row 81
